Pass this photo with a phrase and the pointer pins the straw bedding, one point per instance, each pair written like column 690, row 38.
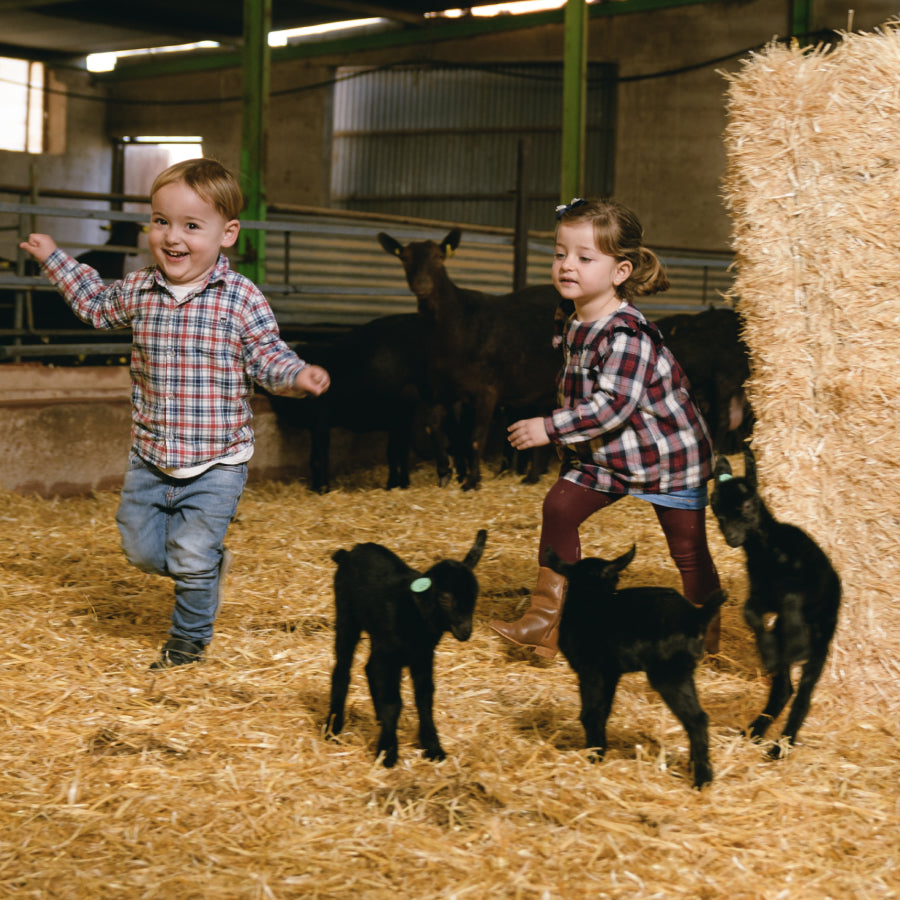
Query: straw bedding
column 213, row 781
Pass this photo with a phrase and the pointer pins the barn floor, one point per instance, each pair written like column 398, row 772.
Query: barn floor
column 213, row 781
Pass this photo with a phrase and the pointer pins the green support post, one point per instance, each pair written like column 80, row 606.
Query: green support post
column 254, row 133
column 801, row 19
column 574, row 100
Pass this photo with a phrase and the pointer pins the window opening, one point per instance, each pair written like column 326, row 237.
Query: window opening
column 21, row 105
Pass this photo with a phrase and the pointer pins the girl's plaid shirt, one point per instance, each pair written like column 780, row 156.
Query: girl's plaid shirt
column 627, row 420
column 193, row 363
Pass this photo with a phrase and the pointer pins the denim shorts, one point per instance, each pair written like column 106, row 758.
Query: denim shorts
column 690, row 498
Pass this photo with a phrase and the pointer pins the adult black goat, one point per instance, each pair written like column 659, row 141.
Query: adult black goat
column 483, row 350
column 716, row 360
column 794, row 598
column 405, row 614
column 379, row 382
column 604, row 633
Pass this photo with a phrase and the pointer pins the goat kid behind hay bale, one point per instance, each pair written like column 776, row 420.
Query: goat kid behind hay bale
column 604, row 633
column 794, row 595
column 405, row 614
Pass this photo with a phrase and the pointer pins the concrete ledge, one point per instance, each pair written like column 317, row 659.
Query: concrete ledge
column 66, row 431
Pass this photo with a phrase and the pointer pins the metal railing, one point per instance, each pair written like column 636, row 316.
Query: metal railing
column 325, row 269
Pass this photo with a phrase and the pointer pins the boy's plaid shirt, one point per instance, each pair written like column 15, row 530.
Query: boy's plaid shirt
column 627, row 421
column 193, row 362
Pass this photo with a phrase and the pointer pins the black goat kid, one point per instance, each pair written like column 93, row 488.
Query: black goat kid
column 794, row 595
column 604, row 633
column 405, row 614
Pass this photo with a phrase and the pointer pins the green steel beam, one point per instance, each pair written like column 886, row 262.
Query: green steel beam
column 254, row 133
column 432, row 31
column 574, row 105
column 801, row 18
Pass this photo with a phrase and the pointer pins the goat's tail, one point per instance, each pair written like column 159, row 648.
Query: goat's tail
column 340, row 555
column 711, row 607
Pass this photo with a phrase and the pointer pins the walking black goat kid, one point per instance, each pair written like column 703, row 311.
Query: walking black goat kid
column 405, row 614
column 604, row 633
column 794, row 595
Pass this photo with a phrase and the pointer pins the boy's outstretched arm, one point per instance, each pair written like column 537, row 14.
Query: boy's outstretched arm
column 40, row 246
column 313, row 380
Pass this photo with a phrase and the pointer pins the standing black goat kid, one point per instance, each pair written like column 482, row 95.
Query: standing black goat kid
column 604, row 633
column 794, row 596
column 405, row 614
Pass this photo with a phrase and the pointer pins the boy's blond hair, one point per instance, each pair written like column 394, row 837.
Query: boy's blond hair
column 209, row 180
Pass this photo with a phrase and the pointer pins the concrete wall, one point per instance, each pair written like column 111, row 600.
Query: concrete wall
column 66, row 431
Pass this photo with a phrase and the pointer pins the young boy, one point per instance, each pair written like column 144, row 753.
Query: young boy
column 201, row 335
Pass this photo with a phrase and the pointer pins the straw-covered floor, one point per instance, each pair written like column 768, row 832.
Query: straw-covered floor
column 214, row 781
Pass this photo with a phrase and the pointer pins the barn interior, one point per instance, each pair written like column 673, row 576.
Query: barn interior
column 412, row 119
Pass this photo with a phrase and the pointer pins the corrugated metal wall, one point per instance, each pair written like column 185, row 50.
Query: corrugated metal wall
column 443, row 142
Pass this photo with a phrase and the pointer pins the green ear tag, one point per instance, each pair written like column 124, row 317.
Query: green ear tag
column 420, row 585
column 725, row 477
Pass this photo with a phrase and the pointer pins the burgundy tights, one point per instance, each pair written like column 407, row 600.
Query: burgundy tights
column 567, row 505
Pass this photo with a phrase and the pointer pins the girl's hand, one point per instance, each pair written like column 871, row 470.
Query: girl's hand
column 313, row 380
column 40, row 246
column 527, row 433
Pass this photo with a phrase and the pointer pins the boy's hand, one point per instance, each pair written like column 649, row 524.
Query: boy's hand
column 40, row 246
column 313, row 380
column 528, row 433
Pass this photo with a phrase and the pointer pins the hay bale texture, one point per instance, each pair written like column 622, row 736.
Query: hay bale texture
column 813, row 184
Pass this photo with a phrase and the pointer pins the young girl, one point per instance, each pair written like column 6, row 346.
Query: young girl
column 626, row 423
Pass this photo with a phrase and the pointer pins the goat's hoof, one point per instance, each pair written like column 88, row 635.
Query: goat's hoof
column 703, row 775
column 435, row 753
column 389, row 758
column 778, row 751
column 333, row 727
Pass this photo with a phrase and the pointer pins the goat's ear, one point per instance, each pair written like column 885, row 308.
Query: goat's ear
column 451, row 242
column 474, row 554
column 723, row 467
column 622, row 561
column 750, row 467
column 389, row 244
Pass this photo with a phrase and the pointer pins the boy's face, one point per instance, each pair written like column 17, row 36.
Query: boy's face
column 186, row 233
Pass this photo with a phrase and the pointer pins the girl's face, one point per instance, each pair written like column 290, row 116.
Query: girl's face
column 584, row 275
column 186, row 233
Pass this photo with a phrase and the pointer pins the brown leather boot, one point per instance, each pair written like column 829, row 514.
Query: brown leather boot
column 538, row 628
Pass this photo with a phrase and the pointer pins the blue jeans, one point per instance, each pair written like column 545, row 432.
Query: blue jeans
column 175, row 527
